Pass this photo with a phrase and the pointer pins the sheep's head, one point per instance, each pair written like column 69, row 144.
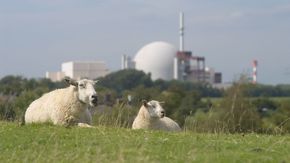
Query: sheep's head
column 154, row 109
column 86, row 91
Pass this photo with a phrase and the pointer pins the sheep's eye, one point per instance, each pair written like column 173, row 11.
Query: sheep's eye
column 82, row 85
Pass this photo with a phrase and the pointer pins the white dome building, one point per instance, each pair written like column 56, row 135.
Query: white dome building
column 156, row 58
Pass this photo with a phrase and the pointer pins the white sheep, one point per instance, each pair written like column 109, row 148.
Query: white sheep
column 152, row 116
column 67, row 106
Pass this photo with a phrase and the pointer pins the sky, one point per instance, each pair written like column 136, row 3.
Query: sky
column 38, row 35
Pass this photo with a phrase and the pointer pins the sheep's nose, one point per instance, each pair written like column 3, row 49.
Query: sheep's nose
column 94, row 99
column 162, row 113
column 94, row 96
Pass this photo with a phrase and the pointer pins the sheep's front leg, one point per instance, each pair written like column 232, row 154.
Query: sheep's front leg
column 84, row 125
column 70, row 121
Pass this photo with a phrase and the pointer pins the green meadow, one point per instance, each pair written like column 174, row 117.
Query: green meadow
column 48, row 143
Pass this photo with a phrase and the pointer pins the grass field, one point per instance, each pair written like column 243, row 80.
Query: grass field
column 47, row 143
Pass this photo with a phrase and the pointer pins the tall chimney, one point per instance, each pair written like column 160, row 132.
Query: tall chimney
column 255, row 65
column 124, row 60
column 181, row 32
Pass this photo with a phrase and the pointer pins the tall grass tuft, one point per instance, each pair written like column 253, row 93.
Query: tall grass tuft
column 119, row 115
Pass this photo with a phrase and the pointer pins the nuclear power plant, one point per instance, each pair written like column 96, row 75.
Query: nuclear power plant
column 161, row 59
column 164, row 61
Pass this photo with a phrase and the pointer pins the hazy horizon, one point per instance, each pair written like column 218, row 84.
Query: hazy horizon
column 37, row 36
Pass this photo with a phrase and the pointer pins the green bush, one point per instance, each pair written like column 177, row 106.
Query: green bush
column 279, row 121
column 234, row 114
column 7, row 112
column 120, row 115
column 205, row 122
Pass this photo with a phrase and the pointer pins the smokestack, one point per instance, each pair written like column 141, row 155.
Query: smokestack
column 124, row 60
column 181, row 32
column 255, row 64
column 175, row 69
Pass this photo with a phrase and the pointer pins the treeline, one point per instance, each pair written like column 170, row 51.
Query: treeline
column 129, row 79
column 124, row 80
column 242, row 108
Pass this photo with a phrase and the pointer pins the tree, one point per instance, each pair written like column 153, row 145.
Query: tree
column 125, row 80
column 12, row 85
column 189, row 105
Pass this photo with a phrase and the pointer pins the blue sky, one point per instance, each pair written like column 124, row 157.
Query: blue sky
column 38, row 35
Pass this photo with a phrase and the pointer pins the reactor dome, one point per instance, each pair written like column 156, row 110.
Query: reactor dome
column 156, row 58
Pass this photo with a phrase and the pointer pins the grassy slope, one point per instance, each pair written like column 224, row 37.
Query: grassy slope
column 46, row 143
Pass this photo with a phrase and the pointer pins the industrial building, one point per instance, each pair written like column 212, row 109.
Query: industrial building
column 163, row 61
column 79, row 70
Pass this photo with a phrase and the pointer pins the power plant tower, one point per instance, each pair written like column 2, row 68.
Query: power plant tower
column 186, row 65
column 255, row 65
column 123, row 62
column 177, row 63
column 127, row 62
column 181, row 31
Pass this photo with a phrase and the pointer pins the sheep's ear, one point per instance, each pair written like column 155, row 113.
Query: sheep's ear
column 161, row 102
column 71, row 81
column 96, row 81
column 67, row 79
column 145, row 103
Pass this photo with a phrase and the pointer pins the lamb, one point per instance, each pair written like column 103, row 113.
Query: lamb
column 66, row 106
column 152, row 116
